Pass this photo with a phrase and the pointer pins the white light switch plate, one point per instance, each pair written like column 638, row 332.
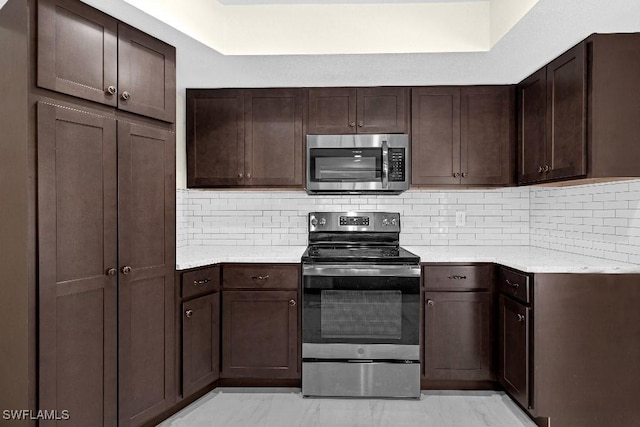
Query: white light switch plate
column 461, row 218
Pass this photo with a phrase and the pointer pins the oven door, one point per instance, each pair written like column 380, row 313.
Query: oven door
column 361, row 312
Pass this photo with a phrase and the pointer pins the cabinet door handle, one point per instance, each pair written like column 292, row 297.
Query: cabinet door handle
column 464, row 174
column 125, row 96
column 240, row 175
column 360, row 124
column 521, row 318
column 547, row 168
column 248, row 176
column 126, row 269
column 201, row 282
column 456, row 277
column 292, row 302
column 540, row 169
column 456, row 174
column 430, row 302
column 189, row 314
column 111, row 90
column 112, row 272
column 513, row 285
column 265, row 277
column 352, row 124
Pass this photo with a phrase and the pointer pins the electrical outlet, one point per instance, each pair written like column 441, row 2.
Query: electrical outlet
column 461, row 218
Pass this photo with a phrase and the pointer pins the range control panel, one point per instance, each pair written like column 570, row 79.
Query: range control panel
column 354, row 220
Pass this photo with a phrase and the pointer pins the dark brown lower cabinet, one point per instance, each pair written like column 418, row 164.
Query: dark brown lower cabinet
column 260, row 334
column 200, row 342
column 514, row 348
column 457, row 336
column 106, row 260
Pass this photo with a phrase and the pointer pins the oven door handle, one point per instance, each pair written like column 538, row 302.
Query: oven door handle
column 361, row 270
column 385, row 164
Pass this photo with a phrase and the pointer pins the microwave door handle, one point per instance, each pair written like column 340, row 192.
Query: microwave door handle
column 385, row 164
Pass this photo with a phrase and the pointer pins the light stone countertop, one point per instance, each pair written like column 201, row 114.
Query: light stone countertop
column 524, row 258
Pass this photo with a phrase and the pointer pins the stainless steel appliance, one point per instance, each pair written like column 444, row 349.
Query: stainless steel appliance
column 358, row 164
column 360, row 308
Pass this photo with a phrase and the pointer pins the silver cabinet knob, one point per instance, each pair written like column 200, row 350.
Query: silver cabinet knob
column 430, row 302
column 189, row 314
column 126, row 269
column 112, row 272
column 248, row 176
column 292, row 302
column 540, row 169
column 547, row 168
column 352, row 124
column 240, row 175
column 464, row 174
column 125, row 96
column 521, row 318
column 456, row 174
column 360, row 124
column 111, row 90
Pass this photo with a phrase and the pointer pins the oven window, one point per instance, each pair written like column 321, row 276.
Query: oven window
column 361, row 314
column 346, row 164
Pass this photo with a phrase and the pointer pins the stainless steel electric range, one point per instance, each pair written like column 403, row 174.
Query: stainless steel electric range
column 361, row 308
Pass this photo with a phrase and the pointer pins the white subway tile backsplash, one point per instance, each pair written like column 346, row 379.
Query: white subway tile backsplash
column 600, row 220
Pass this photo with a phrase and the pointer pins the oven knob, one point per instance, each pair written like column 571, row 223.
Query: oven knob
column 385, row 222
column 393, row 221
column 314, row 221
column 323, row 221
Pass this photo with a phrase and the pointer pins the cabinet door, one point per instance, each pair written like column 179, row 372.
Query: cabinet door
column 486, row 135
column 77, row 50
column 457, row 336
column 77, row 261
column 332, row 111
column 566, row 114
column 514, row 351
column 532, row 129
column 200, row 343
column 383, row 110
column 146, row 239
column 146, row 75
column 273, row 137
column 215, row 138
column 435, row 136
column 260, row 334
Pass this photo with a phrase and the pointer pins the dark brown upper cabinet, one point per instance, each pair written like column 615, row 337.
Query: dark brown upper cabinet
column 358, row 110
column 552, row 119
column 244, row 137
column 577, row 117
column 462, row 135
column 87, row 54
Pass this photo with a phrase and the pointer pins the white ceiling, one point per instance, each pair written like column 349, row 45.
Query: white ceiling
column 249, row 2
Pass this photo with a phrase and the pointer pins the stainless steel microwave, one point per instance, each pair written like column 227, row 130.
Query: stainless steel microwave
column 355, row 164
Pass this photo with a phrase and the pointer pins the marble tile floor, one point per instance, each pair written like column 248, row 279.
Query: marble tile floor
column 277, row 407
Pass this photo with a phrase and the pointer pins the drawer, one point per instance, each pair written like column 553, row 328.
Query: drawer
column 458, row 277
column 201, row 281
column 515, row 284
column 261, row 276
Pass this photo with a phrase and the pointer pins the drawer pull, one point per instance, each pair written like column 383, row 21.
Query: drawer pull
column 201, row 282
column 456, row 277
column 520, row 318
column 514, row 285
column 265, row 277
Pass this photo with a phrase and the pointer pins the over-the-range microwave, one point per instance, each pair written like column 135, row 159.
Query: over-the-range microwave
column 356, row 164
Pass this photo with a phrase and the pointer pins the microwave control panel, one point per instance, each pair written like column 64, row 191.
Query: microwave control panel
column 396, row 164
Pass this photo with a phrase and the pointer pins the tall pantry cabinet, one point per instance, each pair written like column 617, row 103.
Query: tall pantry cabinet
column 87, row 223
